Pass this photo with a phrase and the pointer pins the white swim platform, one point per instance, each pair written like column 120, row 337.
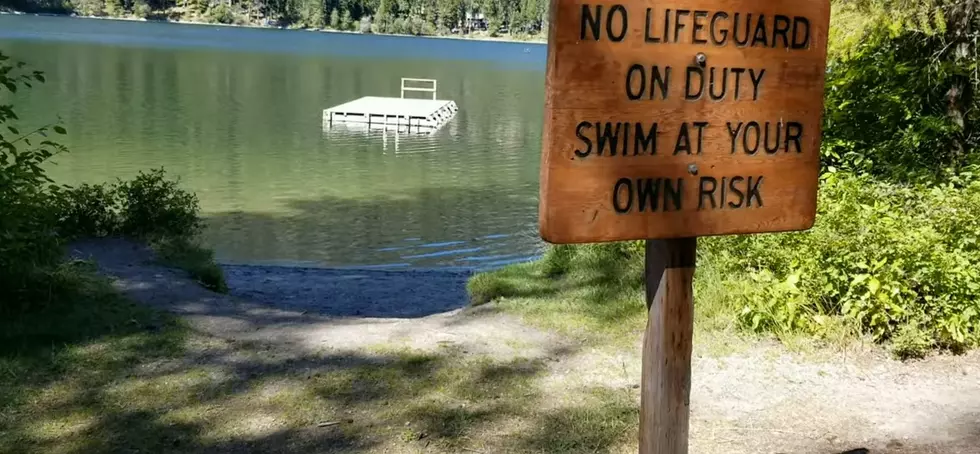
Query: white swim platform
column 407, row 114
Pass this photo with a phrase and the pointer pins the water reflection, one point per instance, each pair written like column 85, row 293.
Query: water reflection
column 244, row 130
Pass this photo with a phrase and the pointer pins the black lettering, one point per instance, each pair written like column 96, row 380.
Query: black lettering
column 760, row 34
column 590, row 22
column 646, row 142
column 666, row 23
column 678, row 25
column 619, row 207
column 794, row 133
column 700, row 125
column 745, row 139
column 647, row 193
column 715, row 32
column 733, row 187
column 756, row 82
column 775, row 141
column 699, row 17
column 672, row 194
column 626, row 138
column 691, row 70
column 732, row 132
column 780, row 28
column 801, row 24
column 707, row 189
column 623, row 23
column 683, row 140
column 633, row 96
column 587, row 141
column 753, row 192
column 609, row 137
column 713, row 82
column 724, row 186
column 660, row 80
column 748, row 29
column 738, row 80
column 647, row 28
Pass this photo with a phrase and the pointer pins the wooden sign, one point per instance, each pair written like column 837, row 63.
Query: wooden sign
column 682, row 118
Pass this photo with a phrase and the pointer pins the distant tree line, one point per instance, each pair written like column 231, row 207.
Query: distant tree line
column 416, row 17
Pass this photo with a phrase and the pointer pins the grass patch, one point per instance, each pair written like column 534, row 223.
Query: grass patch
column 593, row 291
column 596, row 293
column 197, row 260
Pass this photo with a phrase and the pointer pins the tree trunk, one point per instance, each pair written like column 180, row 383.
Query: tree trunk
column 960, row 33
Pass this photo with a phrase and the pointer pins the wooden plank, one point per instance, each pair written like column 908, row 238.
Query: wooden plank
column 666, row 374
column 665, row 120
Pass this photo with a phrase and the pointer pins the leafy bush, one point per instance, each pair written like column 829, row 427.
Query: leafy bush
column 29, row 244
column 141, row 9
column 152, row 206
column 87, row 210
column 398, row 26
column 221, row 14
column 901, row 97
column 883, row 255
column 148, row 207
column 38, row 217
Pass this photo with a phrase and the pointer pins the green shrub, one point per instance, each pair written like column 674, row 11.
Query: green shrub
column 153, row 206
column 901, row 96
column 87, row 210
column 883, row 255
column 911, row 342
column 30, row 247
column 37, row 217
column 221, row 14
column 141, row 9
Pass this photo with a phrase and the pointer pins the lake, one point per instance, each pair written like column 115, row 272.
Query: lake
column 236, row 113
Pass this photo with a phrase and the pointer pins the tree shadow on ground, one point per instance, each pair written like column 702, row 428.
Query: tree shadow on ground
column 160, row 387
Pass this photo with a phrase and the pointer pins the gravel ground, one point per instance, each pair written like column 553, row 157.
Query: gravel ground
column 762, row 400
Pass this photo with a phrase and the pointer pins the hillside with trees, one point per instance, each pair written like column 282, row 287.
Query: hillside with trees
column 519, row 18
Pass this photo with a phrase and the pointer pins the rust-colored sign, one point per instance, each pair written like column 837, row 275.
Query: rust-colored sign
column 676, row 118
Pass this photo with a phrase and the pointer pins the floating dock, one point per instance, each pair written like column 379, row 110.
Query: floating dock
column 402, row 114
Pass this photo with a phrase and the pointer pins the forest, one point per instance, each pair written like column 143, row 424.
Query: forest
column 524, row 18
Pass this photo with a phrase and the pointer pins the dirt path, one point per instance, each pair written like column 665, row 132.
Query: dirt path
column 761, row 400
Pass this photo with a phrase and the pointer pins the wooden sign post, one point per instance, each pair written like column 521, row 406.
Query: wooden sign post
column 666, row 120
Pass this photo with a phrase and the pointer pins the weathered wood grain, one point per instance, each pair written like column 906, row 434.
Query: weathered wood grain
column 586, row 82
column 666, row 376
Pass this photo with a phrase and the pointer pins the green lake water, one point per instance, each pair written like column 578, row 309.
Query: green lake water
column 237, row 114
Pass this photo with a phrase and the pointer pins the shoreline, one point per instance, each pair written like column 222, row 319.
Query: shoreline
column 497, row 39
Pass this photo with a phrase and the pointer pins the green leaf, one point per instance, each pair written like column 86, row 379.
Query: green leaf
column 59, row 130
column 13, row 130
column 874, row 285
